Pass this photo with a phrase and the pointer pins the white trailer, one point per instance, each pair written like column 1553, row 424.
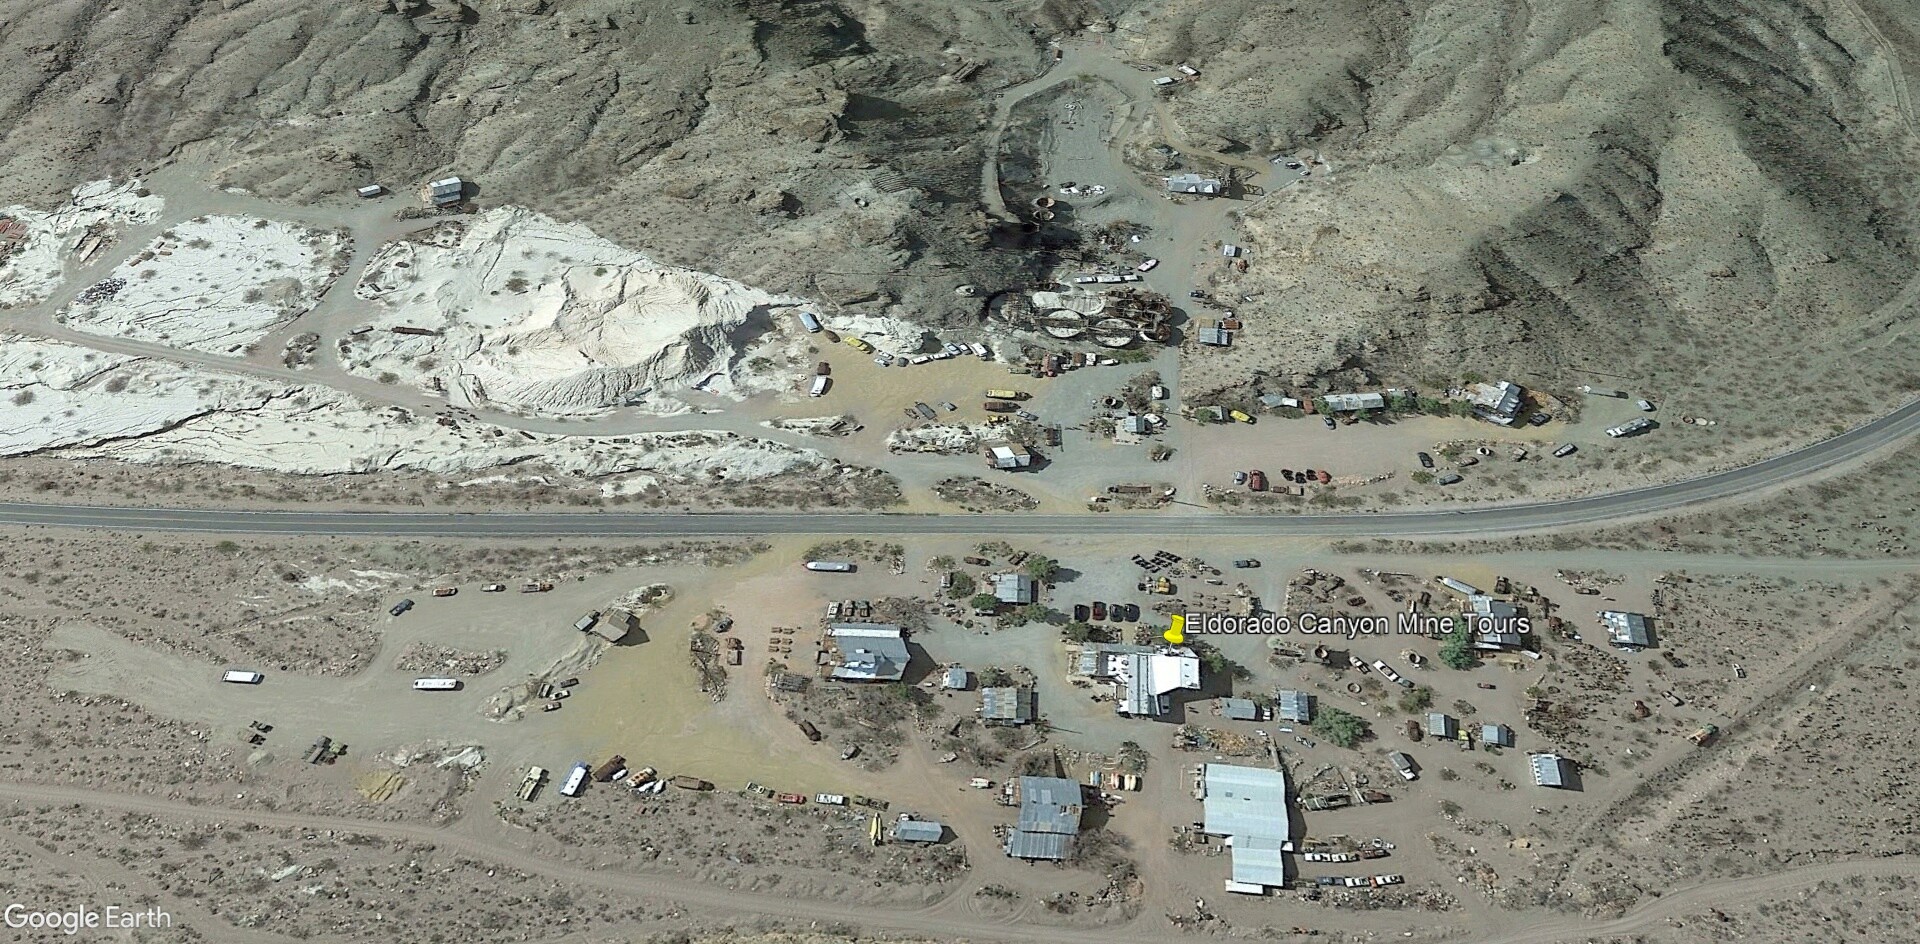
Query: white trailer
column 830, row 567
column 242, row 677
column 820, row 385
column 810, row 321
column 576, row 780
column 436, row 685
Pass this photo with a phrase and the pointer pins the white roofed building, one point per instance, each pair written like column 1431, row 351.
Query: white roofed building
column 1248, row 807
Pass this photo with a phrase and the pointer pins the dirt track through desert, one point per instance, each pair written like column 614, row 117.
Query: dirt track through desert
column 929, row 920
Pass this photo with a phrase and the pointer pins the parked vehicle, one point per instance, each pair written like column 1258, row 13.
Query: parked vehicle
column 1239, row 478
column 807, row 728
column 1426, row 461
column 1330, row 423
column 1403, row 763
column 436, row 685
column 400, row 607
column 830, row 567
column 1646, row 406
column 1245, row 563
column 820, row 385
column 999, row 406
column 445, row 591
column 790, row 798
column 539, row 587
column 1357, row 881
column 576, row 780
column 1565, row 450
column 1099, row 611
column 1449, row 479
column 1388, row 879
column 493, row 588
column 1007, row 394
column 531, row 785
column 1256, row 481
column 242, row 677
column 615, row 766
column 830, row 799
column 1147, row 266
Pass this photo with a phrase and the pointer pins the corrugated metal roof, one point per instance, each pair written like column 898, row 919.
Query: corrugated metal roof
column 1549, row 770
column 1049, row 805
column 1250, row 805
column 1498, row 735
column 1295, row 706
column 1442, row 725
column 869, row 652
column 918, row 830
column 1014, row 705
column 1245, row 801
column 1257, row 860
column 1240, row 709
column 1026, row 845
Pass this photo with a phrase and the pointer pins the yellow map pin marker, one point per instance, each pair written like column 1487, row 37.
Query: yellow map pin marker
column 1177, row 633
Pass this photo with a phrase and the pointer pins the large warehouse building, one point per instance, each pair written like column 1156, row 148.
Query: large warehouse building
column 1247, row 806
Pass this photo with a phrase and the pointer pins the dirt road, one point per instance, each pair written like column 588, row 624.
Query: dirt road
column 938, row 919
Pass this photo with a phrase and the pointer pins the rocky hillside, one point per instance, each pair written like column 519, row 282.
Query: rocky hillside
column 1668, row 194
column 817, row 148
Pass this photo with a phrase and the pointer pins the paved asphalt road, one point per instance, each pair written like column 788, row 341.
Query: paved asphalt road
column 1889, row 429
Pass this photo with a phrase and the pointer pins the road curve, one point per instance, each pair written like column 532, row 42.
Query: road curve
column 1539, row 516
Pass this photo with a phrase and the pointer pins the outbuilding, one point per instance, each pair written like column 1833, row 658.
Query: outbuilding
column 1633, row 630
column 1550, row 770
column 918, row 830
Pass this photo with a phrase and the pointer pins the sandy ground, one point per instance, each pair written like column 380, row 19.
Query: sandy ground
column 153, row 670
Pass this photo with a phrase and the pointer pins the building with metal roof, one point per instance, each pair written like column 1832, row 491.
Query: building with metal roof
column 1354, row 402
column 1049, row 818
column 445, row 191
column 1549, row 770
column 1007, row 456
column 1215, row 336
column 1496, row 735
column 869, row 652
column 956, row 679
column 1144, row 677
column 1240, row 709
column 1294, row 706
column 918, row 830
column 1442, row 725
column 1194, row 184
column 1248, row 806
column 1015, row 589
column 1628, row 629
column 1009, row 706
column 1496, row 402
